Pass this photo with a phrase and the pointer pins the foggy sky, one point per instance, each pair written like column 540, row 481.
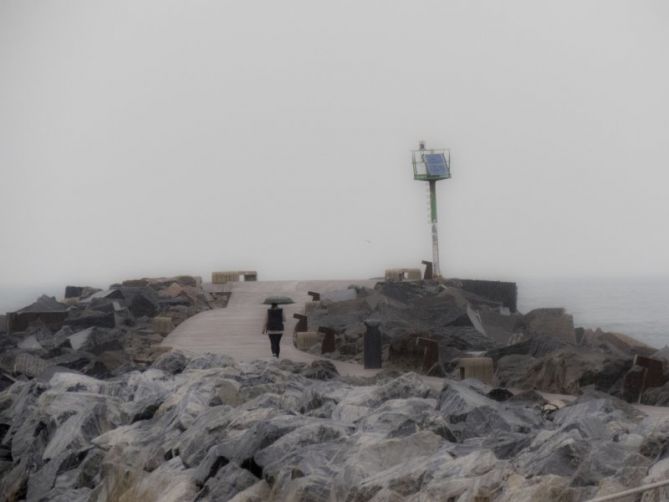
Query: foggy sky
column 162, row 137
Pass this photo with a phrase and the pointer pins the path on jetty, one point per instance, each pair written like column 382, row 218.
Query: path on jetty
column 237, row 329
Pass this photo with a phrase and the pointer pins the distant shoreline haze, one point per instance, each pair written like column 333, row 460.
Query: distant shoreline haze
column 633, row 306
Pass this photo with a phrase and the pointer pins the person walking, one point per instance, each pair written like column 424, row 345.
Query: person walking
column 274, row 327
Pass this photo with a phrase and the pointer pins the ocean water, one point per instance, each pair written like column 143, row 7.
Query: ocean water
column 15, row 298
column 635, row 307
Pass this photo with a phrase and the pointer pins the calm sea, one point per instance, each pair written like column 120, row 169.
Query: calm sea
column 636, row 307
column 15, row 298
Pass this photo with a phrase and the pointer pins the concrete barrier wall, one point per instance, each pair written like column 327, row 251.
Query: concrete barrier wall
column 233, row 276
column 403, row 274
column 504, row 292
column 480, row 368
column 223, row 277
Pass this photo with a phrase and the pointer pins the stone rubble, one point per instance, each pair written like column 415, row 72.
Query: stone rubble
column 99, row 333
column 210, row 429
column 538, row 350
column 92, row 410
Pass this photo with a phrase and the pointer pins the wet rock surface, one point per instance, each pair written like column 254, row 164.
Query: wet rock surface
column 208, row 428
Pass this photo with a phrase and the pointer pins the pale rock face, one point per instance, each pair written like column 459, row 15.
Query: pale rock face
column 371, row 456
column 169, row 483
column 259, row 492
column 554, row 488
column 658, row 472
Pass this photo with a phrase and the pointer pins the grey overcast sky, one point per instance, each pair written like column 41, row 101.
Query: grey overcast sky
column 161, row 137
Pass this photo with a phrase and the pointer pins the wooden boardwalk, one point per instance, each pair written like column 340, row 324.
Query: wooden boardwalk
column 237, row 329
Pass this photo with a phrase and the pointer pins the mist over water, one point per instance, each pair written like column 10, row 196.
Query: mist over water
column 15, row 298
column 635, row 307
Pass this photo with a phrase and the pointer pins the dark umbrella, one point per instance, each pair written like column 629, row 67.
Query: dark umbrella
column 279, row 300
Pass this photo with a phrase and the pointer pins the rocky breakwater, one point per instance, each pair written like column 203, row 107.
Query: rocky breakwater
column 97, row 333
column 209, row 429
column 430, row 327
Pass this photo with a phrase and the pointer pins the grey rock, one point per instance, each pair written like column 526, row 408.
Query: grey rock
column 552, row 322
column 79, row 339
column 226, row 483
column 559, row 453
column 208, row 361
column 45, row 304
column 172, row 362
column 69, row 495
column 321, row 370
column 404, row 417
column 314, row 432
column 143, row 305
column 30, row 343
column 242, row 448
column 471, row 413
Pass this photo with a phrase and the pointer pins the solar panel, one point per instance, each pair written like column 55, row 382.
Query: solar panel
column 435, row 164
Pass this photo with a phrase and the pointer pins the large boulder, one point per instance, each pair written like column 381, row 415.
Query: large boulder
column 227, row 482
column 552, row 322
column 471, row 413
column 172, row 362
column 86, row 318
column 404, row 417
column 563, row 372
column 497, row 326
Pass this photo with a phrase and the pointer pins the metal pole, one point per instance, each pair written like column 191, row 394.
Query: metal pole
column 435, row 231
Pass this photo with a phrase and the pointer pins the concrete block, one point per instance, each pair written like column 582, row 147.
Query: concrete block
column 392, row 274
column 328, row 344
column 480, row 368
column 162, row 325
column 429, row 270
column 234, row 276
column 223, row 277
column 654, row 371
column 403, row 274
column 413, row 274
column 304, row 340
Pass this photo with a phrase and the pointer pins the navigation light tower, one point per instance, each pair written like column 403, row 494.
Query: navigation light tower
column 431, row 166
